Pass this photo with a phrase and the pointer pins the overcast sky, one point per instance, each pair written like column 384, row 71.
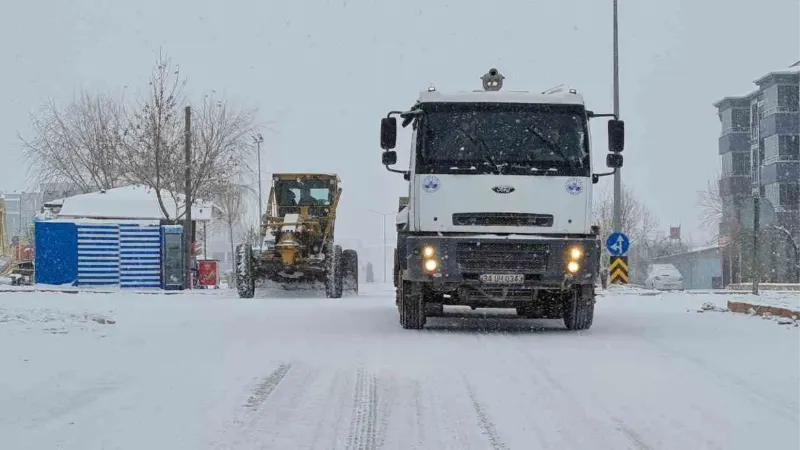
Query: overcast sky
column 326, row 71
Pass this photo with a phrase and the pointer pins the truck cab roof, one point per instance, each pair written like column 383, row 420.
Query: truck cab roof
column 561, row 97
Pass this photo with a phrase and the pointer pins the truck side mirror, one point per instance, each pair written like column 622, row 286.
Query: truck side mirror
column 614, row 160
column 616, row 135
column 388, row 133
column 389, row 158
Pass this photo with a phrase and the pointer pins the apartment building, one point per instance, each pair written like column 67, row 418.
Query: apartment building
column 759, row 148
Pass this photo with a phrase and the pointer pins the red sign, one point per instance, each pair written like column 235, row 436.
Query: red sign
column 675, row 232
column 208, row 273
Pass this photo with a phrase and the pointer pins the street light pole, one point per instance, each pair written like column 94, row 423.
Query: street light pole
column 384, row 239
column 258, row 139
column 617, row 173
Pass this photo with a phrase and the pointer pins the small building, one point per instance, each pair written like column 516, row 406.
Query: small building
column 701, row 268
column 107, row 238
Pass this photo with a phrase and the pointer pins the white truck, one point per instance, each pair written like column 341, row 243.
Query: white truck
column 499, row 205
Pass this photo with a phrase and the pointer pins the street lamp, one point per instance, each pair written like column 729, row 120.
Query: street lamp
column 617, row 222
column 258, row 139
column 384, row 238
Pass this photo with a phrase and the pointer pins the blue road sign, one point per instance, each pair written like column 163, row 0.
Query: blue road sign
column 617, row 244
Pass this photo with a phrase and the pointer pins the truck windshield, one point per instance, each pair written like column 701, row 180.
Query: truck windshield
column 303, row 193
column 501, row 138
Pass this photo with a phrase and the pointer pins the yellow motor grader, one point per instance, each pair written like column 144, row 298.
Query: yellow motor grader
column 297, row 238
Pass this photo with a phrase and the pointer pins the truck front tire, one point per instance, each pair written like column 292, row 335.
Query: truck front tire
column 334, row 275
column 412, row 305
column 245, row 280
column 350, row 268
column 579, row 307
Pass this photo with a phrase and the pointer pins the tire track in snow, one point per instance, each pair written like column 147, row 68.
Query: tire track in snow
column 364, row 433
column 484, row 422
column 633, row 437
column 263, row 389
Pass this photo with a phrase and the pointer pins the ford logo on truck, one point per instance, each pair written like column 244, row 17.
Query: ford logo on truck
column 503, row 189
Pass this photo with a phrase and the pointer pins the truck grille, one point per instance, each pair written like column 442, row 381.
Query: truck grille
column 502, row 257
column 502, row 220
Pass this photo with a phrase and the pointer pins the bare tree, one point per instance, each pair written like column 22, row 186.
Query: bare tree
column 711, row 206
column 153, row 136
column 230, row 199
column 638, row 221
column 221, row 147
column 77, row 144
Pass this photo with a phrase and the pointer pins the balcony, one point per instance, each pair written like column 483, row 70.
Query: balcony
column 735, row 186
column 780, row 172
column 780, row 123
column 737, row 142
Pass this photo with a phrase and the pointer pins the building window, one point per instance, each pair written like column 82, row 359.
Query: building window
column 790, row 195
column 789, row 147
column 788, row 97
column 741, row 119
column 754, row 122
column 772, row 193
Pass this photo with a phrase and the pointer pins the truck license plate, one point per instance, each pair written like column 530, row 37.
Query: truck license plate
column 497, row 278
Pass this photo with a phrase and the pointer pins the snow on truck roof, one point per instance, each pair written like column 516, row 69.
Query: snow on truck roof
column 557, row 98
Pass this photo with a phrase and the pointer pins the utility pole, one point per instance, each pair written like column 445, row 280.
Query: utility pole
column 617, row 173
column 384, row 239
column 258, row 139
column 756, row 269
column 187, row 207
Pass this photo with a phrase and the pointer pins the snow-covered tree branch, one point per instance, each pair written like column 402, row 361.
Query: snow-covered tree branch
column 100, row 142
column 78, row 143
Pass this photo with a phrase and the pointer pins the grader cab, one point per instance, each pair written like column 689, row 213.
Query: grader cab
column 297, row 238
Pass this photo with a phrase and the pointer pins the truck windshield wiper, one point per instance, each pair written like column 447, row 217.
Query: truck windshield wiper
column 553, row 146
column 487, row 153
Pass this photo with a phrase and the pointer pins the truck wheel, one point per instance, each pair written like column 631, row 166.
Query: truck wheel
column 350, row 267
column 579, row 308
column 245, row 281
column 412, row 306
column 334, row 277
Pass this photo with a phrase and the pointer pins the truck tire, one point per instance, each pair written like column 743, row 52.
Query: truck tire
column 350, row 267
column 579, row 307
column 395, row 276
column 412, row 306
column 245, row 279
column 334, row 275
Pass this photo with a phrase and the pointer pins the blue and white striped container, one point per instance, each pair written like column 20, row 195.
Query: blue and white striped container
column 140, row 256
column 98, row 254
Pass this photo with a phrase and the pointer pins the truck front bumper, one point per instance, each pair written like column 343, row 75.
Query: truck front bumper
column 497, row 262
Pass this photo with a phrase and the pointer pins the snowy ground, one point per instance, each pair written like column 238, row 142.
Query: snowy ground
column 211, row 371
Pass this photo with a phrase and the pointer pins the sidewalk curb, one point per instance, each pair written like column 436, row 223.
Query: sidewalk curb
column 744, row 308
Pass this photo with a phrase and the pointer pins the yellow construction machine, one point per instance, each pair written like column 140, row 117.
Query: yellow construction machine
column 297, row 238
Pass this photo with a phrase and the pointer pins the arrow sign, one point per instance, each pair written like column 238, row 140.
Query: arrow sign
column 617, row 244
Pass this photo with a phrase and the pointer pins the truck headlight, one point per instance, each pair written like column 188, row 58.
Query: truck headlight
column 428, row 251
column 573, row 267
column 575, row 253
column 431, row 265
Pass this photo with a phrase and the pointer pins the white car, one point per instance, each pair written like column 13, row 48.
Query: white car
column 664, row 277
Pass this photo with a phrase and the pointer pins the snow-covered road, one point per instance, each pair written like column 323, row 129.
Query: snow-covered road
column 211, row 371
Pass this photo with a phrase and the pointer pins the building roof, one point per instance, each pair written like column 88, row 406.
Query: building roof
column 695, row 251
column 791, row 72
column 129, row 202
column 737, row 101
